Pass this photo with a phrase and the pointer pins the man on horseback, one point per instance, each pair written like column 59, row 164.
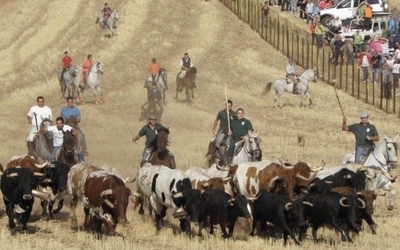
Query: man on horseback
column 66, row 63
column 150, row 131
column 58, row 138
column 154, row 69
column 106, row 14
column 222, row 117
column 69, row 111
column 365, row 134
column 240, row 127
column 186, row 63
column 291, row 74
column 35, row 116
column 86, row 65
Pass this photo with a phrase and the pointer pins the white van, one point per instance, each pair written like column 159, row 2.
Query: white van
column 347, row 9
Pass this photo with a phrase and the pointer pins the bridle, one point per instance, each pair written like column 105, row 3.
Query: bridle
column 97, row 67
column 253, row 153
column 389, row 161
column 311, row 79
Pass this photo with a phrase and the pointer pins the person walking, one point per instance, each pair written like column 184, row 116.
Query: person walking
column 69, row 111
column 36, row 115
column 365, row 134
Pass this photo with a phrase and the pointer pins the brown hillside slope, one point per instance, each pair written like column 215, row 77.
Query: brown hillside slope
column 224, row 50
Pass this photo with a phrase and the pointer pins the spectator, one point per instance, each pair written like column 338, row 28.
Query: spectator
column 322, row 4
column 338, row 47
column 303, row 9
column 364, row 62
column 390, row 60
column 312, row 32
column 285, row 5
column 319, row 33
column 309, row 11
column 346, row 28
column 357, row 40
column 336, row 25
column 367, row 17
column 396, row 15
column 293, row 6
column 265, row 10
column 331, row 44
column 387, row 83
column 396, row 73
column 392, row 28
column 376, row 67
column 328, row 4
column 349, row 50
column 384, row 46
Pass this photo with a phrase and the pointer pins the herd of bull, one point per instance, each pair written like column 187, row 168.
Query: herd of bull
column 290, row 197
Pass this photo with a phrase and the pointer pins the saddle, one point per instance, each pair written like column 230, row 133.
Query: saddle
column 58, row 153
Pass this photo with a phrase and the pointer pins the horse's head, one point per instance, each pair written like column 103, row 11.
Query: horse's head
column 97, row 67
column 72, row 121
column 73, row 70
column 315, row 74
column 69, row 142
column 114, row 14
column 192, row 70
column 252, row 146
column 46, row 122
column 162, row 138
column 388, row 147
column 163, row 74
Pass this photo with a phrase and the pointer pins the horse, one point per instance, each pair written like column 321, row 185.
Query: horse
column 43, row 142
column 69, row 80
column 67, row 153
column 110, row 24
column 161, row 83
column 160, row 154
column 188, row 82
column 281, row 85
column 93, row 81
column 247, row 149
column 73, row 122
column 151, row 107
column 384, row 156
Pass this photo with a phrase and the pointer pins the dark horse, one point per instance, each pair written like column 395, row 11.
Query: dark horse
column 160, row 155
column 188, row 82
column 67, row 153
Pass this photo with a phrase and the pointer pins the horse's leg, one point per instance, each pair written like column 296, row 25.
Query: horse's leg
column 101, row 95
column 309, row 98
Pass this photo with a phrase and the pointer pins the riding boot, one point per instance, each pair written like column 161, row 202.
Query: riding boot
column 295, row 88
column 30, row 146
column 172, row 158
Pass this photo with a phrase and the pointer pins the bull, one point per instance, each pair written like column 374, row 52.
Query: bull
column 221, row 208
column 201, row 179
column 344, row 177
column 172, row 188
column 281, row 211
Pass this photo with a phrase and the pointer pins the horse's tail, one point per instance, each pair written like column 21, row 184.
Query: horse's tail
column 267, row 88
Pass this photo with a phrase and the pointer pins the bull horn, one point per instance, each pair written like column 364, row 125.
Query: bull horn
column 252, row 198
column 12, row 175
column 205, row 184
column 308, row 203
column 363, row 205
column 41, row 165
column 341, row 202
column 288, row 167
column 220, row 168
column 281, row 161
column 137, row 195
column 387, row 175
column 227, row 179
column 106, row 192
column 129, row 180
column 329, row 182
column 312, row 184
column 231, row 200
column 177, row 195
column 362, row 169
column 370, row 176
column 40, row 195
column 303, row 178
column 288, row 206
column 380, row 194
column 347, row 176
column 38, row 174
column 108, row 203
column 272, row 181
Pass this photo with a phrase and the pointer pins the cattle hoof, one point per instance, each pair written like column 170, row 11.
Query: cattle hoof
column 11, row 224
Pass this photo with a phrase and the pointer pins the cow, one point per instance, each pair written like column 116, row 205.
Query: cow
column 279, row 210
column 54, row 184
column 26, row 161
column 221, row 208
column 342, row 178
column 214, row 172
column 17, row 189
column 104, row 196
column 365, row 209
column 201, row 179
column 172, row 188
column 332, row 209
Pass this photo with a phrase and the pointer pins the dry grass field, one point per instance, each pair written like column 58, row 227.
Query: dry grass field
column 224, row 50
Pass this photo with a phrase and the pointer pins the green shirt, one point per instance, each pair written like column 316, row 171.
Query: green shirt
column 319, row 30
column 357, row 39
column 150, row 134
column 361, row 132
column 223, row 119
column 240, row 128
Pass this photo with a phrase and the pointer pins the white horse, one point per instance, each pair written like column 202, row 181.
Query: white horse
column 161, row 83
column 93, row 81
column 69, row 80
column 281, row 85
column 384, row 157
column 110, row 24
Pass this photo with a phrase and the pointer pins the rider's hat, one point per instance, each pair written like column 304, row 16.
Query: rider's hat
column 364, row 114
column 152, row 117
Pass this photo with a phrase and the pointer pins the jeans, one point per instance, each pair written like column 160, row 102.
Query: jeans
column 78, row 153
column 359, row 152
column 320, row 40
column 365, row 73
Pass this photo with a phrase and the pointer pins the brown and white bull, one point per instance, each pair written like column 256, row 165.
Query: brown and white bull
column 26, row 161
column 201, row 180
column 104, row 196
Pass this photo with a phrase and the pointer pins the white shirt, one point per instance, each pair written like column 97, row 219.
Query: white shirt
column 58, row 135
column 390, row 62
column 289, row 69
column 41, row 113
column 191, row 63
column 365, row 62
column 385, row 48
column 396, row 68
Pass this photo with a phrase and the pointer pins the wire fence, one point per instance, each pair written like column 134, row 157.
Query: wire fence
column 296, row 43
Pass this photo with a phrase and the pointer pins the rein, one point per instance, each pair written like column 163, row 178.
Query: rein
column 388, row 161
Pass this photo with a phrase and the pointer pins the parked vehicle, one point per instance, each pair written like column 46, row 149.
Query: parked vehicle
column 379, row 26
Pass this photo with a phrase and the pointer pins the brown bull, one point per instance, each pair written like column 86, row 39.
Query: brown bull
column 26, row 161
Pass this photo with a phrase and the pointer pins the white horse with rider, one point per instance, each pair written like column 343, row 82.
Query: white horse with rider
column 69, row 80
column 93, row 82
column 109, row 24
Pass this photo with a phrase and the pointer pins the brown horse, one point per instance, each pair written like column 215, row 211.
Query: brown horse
column 67, row 153
column 188, row 82
column 74, row 123
column 160, row 154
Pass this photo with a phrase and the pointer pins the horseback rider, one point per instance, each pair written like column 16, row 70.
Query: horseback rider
column 240, row 127
column 154, row 69
column 222, row 117
column 66, row 63
column 35, row 116
column 106, row 13
column 186, row 63
column 291, row 74
column 150, row 131
column 86, row 65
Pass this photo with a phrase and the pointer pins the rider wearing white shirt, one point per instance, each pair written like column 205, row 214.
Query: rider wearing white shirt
column 291, row 74
column 35, row 117
column 186, row 63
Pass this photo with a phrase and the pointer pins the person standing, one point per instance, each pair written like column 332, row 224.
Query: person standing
column 349, row 50
column 367, row 17
column 376, row 67
column 312, row 32
column 150, row 131
column 264, row 11
column 365, row 134
column 309, row 11
column 154, row 69
column 69, row 111
column 222, row 118
column 66, row 63
column 86, row 65
column 396, row 73
column 240, row 127
column 357, row 41
column 364, row 61
column 338, row 49
column 36, row 115
column 319, row 32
